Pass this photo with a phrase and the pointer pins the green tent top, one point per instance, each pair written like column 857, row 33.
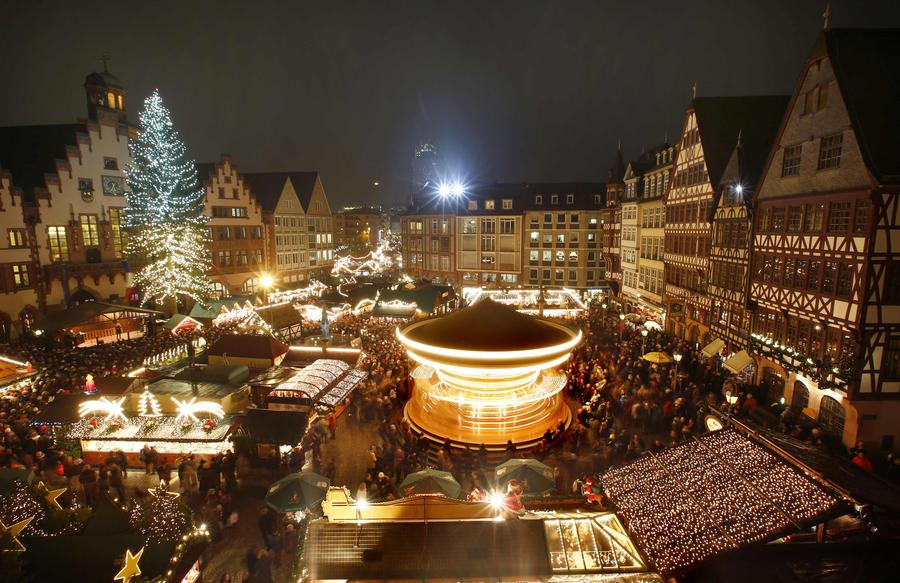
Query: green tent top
column 426, row 296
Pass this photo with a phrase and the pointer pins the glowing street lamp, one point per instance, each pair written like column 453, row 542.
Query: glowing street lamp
column 644, row 333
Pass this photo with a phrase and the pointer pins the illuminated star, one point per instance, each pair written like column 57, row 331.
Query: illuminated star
column 130, row 568
column 157, row 491
column 14, row 532
column 52, row 495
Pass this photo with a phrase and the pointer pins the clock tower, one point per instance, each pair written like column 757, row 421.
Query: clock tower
column 105, row 96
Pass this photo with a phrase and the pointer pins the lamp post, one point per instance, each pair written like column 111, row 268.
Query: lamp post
column 731, row 398
column 644, row 333
column 603, row 317
column 266, row 282
column 677, row 356
column 622, row 321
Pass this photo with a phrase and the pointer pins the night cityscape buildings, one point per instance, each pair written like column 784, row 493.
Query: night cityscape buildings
column 544, row 361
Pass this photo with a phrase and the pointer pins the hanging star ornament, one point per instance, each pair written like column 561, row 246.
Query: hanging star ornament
column 14, row 531
column 52, row 495
column 130, row 568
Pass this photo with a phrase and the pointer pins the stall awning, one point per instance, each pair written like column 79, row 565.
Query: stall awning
column 736, row 363
column 713, row 348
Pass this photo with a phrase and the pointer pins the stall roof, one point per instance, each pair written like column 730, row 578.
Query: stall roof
column 436, row 550
column 215, row 373
column 179, row 320
column 87, row 558
column 736, row 363
column 85, row 313
column 274, row 426
column 186, row 388
column 248, row 346
column 728, row 491
column 115, row 385
column 62, row 409
column 273, row 376
column 214, row 307
column 713, row 348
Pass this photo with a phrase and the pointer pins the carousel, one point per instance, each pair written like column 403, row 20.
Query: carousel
column 488, row 374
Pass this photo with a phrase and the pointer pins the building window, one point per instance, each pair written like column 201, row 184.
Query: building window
column 110, row 164
column 891, row 364
column 861, row 218
column 533, row 255
column 795, row 218
column 90, row 234
column 469, row 226
column 20, row 275
column 790, row 163
column 16, row 237
column 815, row 213
column 59, row 245
column 596, row 199
column 488, row 243
column 507, row 203
column 554, row 199
column 507, row 226
column 488, row 260
column 221, row 195
column 839, row 217
column 256, row 232
column 538, row 199
column 472, row 205
column 488, row 205
column 570, row 199
column 119, row 237
column 830, row 151
column 831, row 416
column 224, row 259
column 534, row 236
column 488, row 226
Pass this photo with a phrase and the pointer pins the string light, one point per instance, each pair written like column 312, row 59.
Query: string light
column 148, row 405
column 165, row 211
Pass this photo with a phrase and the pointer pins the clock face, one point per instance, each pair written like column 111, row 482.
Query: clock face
column 113, row 185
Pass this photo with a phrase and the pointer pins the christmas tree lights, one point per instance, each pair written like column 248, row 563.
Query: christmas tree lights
column 148, row 405
column 165, row 212
column 161, row 518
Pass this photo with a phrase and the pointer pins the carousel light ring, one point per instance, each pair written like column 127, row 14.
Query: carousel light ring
column 190, row 409
column 487, row 374
column 102, row 405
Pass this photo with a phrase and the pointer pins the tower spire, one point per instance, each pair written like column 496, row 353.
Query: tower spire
column 105, row 60
column 826, row 16
column 694, row 91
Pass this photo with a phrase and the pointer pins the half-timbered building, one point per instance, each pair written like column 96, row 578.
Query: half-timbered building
column 707, row 142
column 824, row 277
column 611, row 220
column 729, row 259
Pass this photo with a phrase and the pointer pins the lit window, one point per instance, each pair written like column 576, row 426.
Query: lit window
column 507, row 203
column 20, row 275
column 489, row 205
column 16, row 237
column 111, row 100
column 830, row 151
column 59, row 246
column 90, row 234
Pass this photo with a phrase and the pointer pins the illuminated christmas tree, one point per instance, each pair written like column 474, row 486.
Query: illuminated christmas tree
column 165, row 212
column 161, row 517
column 148, row 405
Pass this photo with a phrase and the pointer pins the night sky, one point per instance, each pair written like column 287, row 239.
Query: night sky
column 509, row 91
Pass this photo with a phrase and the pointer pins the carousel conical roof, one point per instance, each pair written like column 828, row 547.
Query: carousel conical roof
column 489, row 326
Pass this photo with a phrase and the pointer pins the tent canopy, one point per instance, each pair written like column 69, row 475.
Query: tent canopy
column 736, row 363
column 90, row 312
column 713, row 348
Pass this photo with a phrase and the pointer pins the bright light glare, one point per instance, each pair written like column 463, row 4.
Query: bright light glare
column 739, row 189
column 496, row 499
column 444, row 190
column 266, row 281
column 458, row 189
column 362, row 504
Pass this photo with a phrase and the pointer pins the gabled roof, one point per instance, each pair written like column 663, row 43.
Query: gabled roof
column 247, row 346
column 748, row 158
column 720, row 119
column 204, row 170
column 866, row 63
column 29, row 152
column 268, row 186
column 617, row 171
column 86, row 312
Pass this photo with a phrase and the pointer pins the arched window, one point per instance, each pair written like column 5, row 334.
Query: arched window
column 800, row 398
column 111, row 100
column 831, row 416
column 120, row 102
column 250, row 286
column 774, row 384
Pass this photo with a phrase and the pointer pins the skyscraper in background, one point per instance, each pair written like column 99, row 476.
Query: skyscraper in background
column 425, row 170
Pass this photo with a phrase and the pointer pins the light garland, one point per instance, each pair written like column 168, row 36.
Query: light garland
column 710, row 495
column 160, row 518
column 190, row 409
column 165, row 211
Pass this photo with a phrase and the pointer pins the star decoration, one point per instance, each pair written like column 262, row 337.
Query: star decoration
column 14, row 532
column 52, row 495
column 130, row 568
column 163, row 492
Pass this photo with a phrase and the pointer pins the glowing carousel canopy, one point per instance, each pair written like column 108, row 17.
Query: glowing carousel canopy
column 488, row 374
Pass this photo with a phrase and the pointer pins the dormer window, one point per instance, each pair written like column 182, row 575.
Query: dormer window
column 507, row 203
column 489, row 205
column 538, row 199
column 596, row 199
column 111, row 100
column 554, row 199
column 473, row 205
column 570, row 199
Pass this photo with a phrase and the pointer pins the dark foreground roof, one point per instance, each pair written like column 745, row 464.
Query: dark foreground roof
column 274, row 426
column 437, row 550
column 248, row 346
column 866, row 63
column 487, row 325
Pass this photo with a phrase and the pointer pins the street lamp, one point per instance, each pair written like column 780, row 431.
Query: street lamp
column 677, row 357
column 622, row 320
column 731, row 398
column 644, row 333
